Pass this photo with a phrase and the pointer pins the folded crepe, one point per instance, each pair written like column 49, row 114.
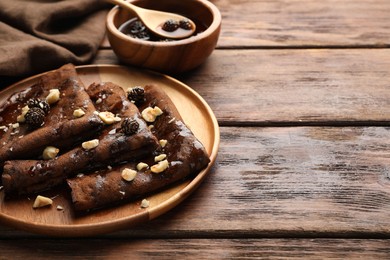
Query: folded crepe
column 185, row 155
column 114, row 146
column 61, row 128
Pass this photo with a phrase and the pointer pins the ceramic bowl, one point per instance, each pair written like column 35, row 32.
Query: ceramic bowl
column 167, row 56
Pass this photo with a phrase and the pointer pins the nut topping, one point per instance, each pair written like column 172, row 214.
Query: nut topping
column 108, row 117
column 160, row 166
column 163, row 142
column 160, row 157
column 145, row 203
column 42, row 201
column 88, row 145
column 141, row 166
column 50, row 152
column 78, row 113
column 53, row 97
column 150, row 114
column 128, row 174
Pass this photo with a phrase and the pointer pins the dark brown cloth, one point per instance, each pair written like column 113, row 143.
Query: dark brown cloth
column 40, row 35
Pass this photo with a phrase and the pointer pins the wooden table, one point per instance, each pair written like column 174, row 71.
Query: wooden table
column 301, row 90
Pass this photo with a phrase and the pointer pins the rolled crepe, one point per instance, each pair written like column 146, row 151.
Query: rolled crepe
column 29, row 176
column 61, row 128
column 186, row 157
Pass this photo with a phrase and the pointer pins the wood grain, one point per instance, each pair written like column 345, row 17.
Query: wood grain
column 293, row 87
column 299, row 181
column 197, row 249
column 304, row 23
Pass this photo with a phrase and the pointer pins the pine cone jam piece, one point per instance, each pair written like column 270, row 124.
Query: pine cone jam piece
column 136, row 95
column 34, row 102
column 185, row 24
column 35, row 117
column 170, row 25
column 129, row 126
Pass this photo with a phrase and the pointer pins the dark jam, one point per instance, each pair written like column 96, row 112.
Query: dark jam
column 136, row 29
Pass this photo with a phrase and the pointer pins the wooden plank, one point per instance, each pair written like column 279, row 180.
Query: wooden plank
column 309, row 181
column 197, row 249
column 304, row 23
column 285, row 182
column 305, row 87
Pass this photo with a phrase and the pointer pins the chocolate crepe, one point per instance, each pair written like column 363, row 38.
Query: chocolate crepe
column 186, row 156
column 60, row 129
column 28, row 176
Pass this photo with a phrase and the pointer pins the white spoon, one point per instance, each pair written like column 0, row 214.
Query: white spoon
column 154, row 20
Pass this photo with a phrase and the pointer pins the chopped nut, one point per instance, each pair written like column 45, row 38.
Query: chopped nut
column 78, row 113
column 42, row 201
column 160, row 166
column 99, row 100
column 145, row 203
column 88, row 145
column 1, row 188
column 141, row 166
column 50, row 152
column 163, row 142
column 160, row 157
column 59, row 207
column 128, row 174
column 150, row 114
column 53, row 97
column 20, row 117
column 107, row 117
column 14, row 126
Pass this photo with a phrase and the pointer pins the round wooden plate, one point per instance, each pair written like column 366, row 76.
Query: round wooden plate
column 49, row 221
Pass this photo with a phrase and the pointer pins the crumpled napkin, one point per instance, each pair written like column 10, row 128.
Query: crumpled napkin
column 41, row 35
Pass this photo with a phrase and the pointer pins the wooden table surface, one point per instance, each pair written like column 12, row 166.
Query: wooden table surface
column 301, row 90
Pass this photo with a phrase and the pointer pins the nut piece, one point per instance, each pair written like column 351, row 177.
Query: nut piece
column 128, row 174
column 108, row 117
column 150, row 114
column 160, row 157
column 141, row 166
column 42, row 201
column 50, row 152
column 144, row 203
column 53, row 97
column 160, row 166
column 163, row 142
column 20, row 117
column 88, row 145
column 78, row 113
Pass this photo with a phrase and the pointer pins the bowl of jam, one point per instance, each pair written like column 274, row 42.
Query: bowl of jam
column 135, row 45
